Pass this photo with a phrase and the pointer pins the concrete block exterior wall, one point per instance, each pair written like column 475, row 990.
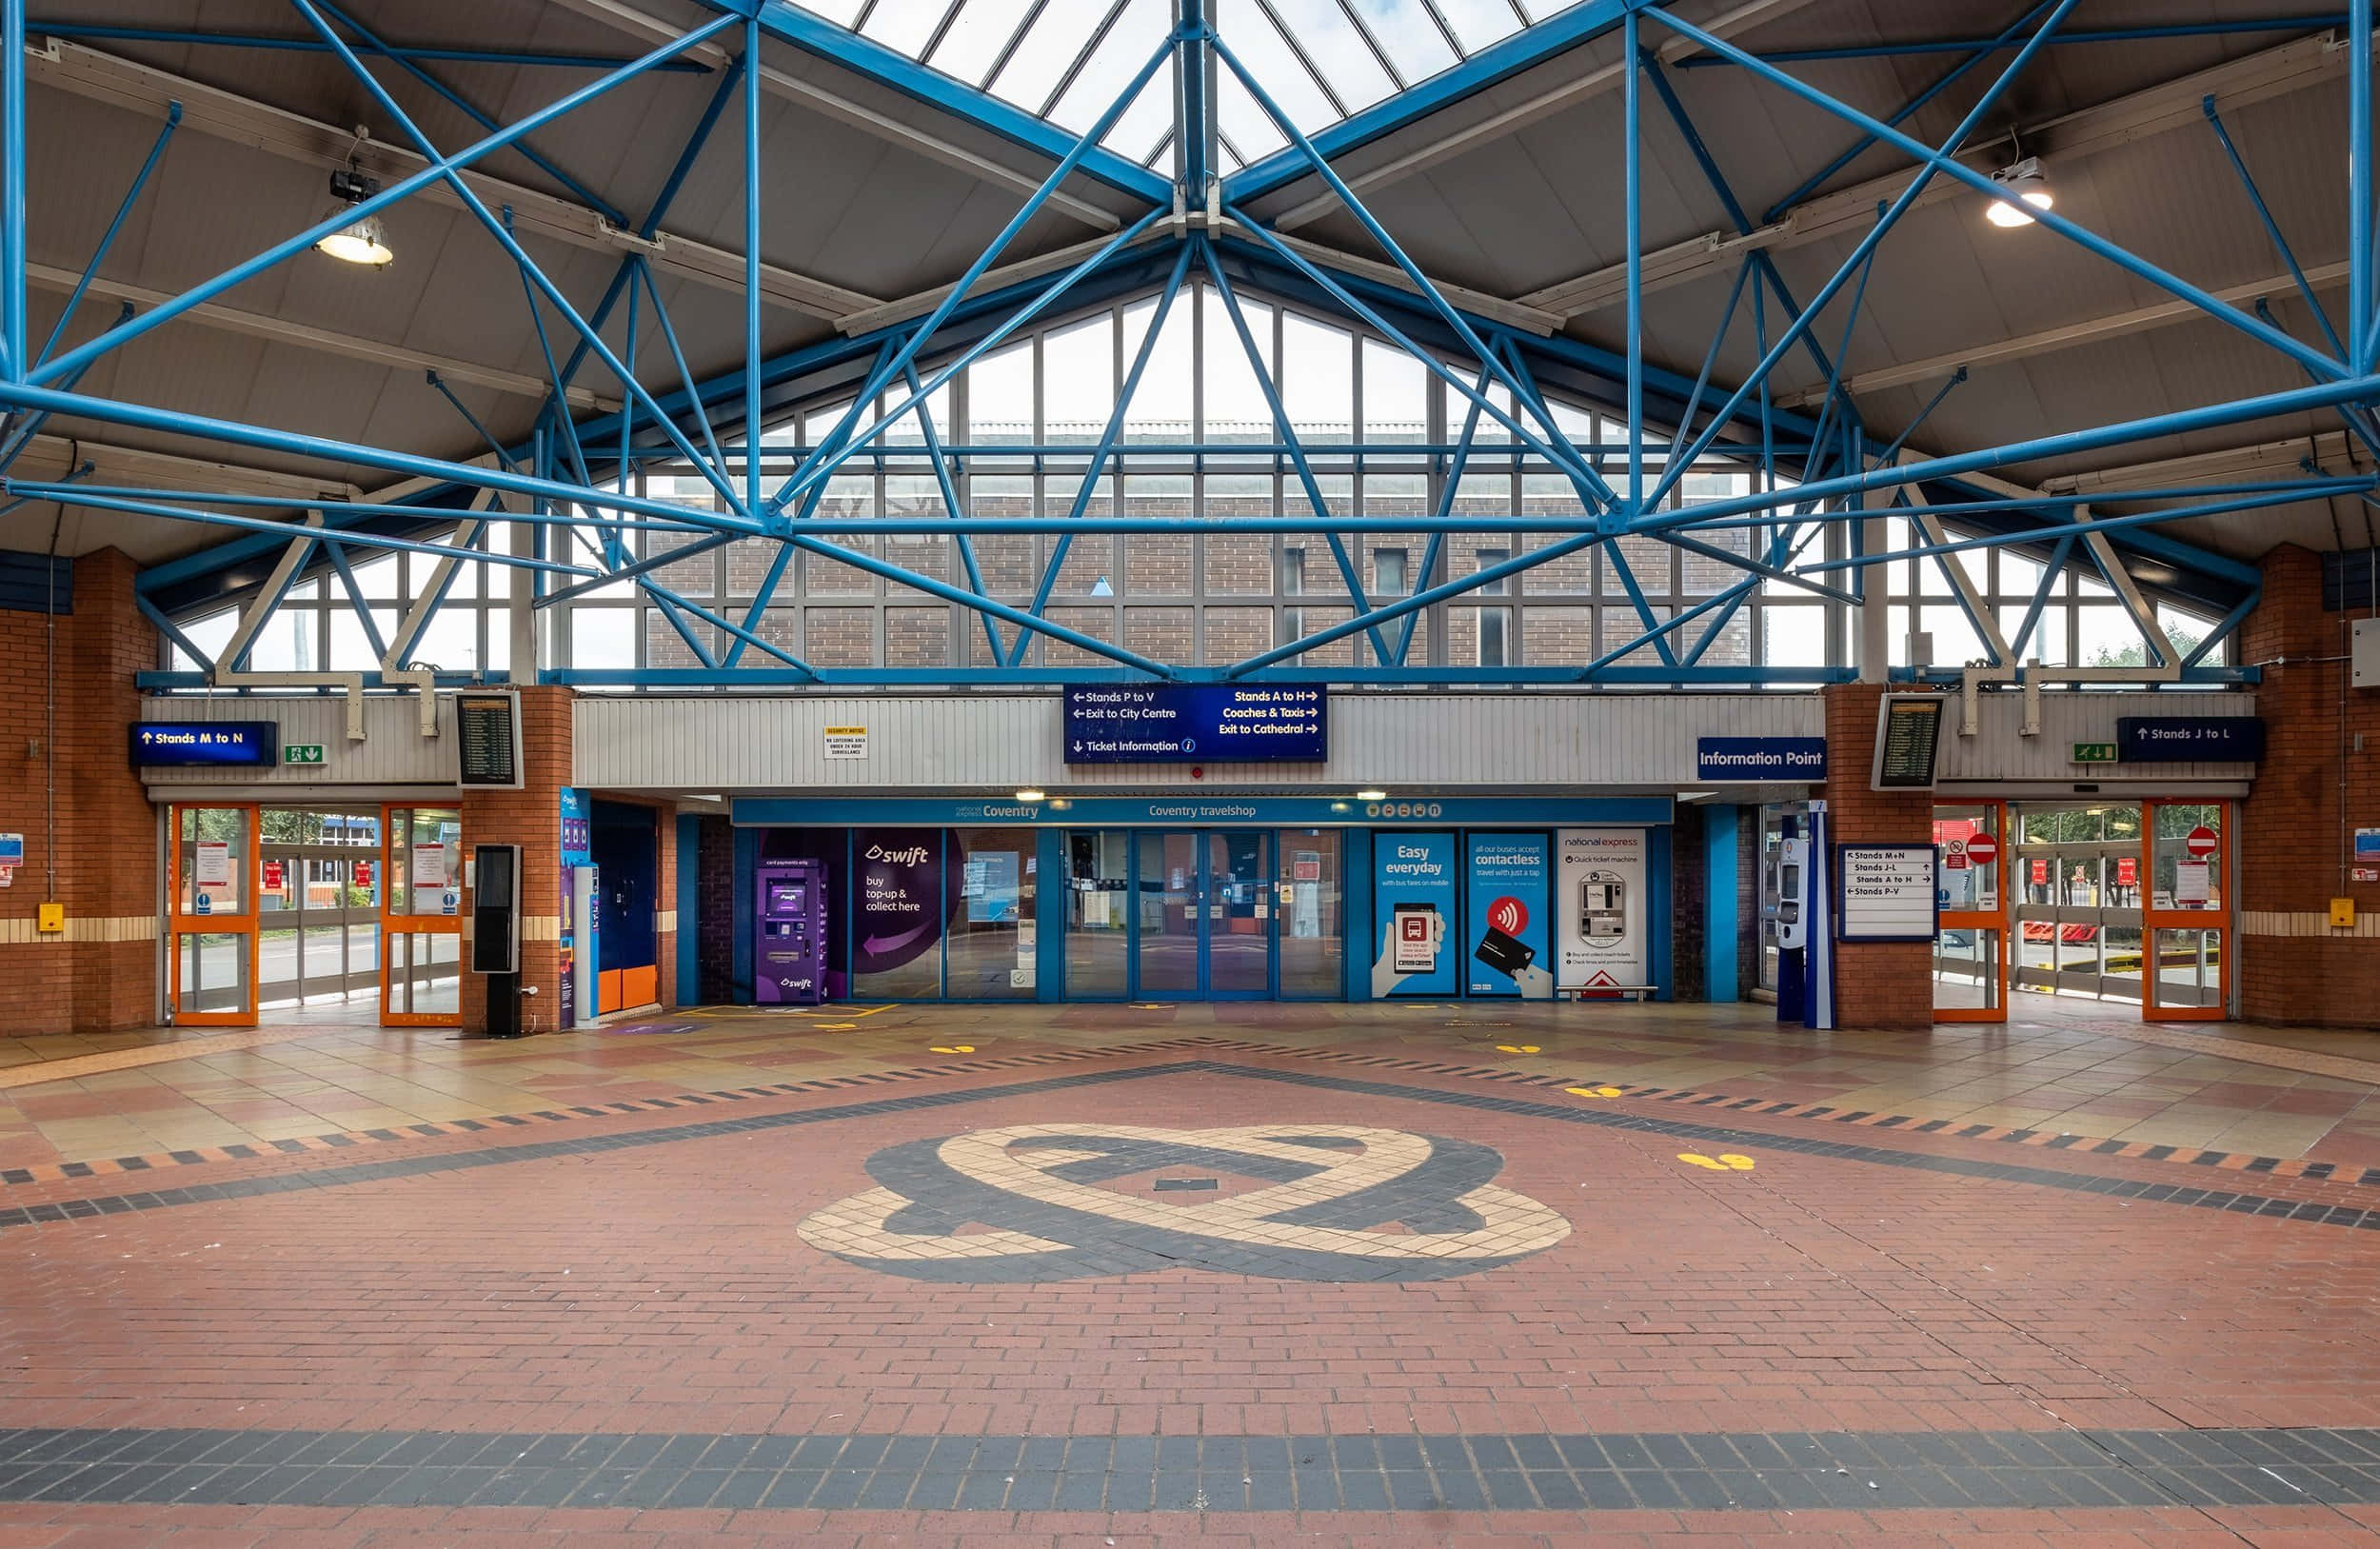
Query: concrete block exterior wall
column 101, row 972
column 1878, row 985
column 2312, row 790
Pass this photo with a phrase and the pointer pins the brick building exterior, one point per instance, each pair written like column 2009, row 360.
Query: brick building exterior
column 2319, row 781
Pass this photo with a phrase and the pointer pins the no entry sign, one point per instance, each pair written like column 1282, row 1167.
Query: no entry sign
column 1982, row 849
column 2200, row 841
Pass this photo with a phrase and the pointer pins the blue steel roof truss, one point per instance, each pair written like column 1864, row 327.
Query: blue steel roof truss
column 575, row 474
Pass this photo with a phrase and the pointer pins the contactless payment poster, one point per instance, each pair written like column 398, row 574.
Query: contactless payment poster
column 1507, row 937
column 1414, row 892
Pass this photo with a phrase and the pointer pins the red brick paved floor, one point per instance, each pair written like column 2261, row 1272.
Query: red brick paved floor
column 664, row 1288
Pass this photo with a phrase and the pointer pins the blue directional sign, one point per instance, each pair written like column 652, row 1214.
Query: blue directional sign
column 2189, row 738
column 1198, row 723
column 1721, row 758
column 206, row 743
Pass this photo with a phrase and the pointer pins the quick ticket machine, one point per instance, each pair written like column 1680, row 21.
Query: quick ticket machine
column 789, row 940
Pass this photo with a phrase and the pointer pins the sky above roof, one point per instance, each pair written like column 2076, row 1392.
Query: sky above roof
column 1066, row 60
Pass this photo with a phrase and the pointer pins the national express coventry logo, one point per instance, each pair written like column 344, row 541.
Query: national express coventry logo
column 1038, row 1203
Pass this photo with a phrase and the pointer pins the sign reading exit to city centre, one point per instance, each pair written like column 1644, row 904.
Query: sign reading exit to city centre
column 1215, row 723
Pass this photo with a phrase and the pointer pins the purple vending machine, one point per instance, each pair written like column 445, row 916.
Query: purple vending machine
column 790, row 942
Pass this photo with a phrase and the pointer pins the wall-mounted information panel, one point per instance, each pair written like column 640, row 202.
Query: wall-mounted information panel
column 1908, row 732
column 487, row 741
column 1198, row 723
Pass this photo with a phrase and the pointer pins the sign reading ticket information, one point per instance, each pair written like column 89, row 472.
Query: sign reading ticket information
column 1198, row 723
column 1885, row 893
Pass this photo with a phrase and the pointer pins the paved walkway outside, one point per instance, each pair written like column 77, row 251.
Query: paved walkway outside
column 1428, row 1274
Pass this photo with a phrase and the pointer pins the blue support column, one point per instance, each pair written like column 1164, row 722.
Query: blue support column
column 1721, row 833
column 1050, row 908
column 752, row 266
column 13, row 322
column 689, row 957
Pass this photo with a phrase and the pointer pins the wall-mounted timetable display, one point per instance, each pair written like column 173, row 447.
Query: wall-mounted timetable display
column 1908, row 730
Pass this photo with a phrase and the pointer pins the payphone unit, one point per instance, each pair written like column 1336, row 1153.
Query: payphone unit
column 789, row 942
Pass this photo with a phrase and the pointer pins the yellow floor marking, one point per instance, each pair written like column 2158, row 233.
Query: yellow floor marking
column 1518, row 1048
column 1742, row 1165
column 833, row 1026
column 1728, row 1162
column 952, row 1048
column 1152, row 1005
column 1592, row 1091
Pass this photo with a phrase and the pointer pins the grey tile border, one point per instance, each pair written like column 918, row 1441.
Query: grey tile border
column 1874, row 1472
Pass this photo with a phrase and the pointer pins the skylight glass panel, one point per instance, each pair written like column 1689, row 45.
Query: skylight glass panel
column 907, row 25
column 1066, row 60
column 1408, row 35
column 1339, row 54
column 1119, row 57
column 1260, row 46
column 1479, row 23
column 979, row 37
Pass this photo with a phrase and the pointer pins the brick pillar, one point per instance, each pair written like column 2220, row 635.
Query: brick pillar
column 715, row 947
column 2290, row 964
column 1690, row 873
column 1878, row 985
column 101, row 972
column 531, row 818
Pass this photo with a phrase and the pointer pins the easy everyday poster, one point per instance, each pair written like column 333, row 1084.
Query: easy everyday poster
column 1506, row 939
column 1599, row 896
column 1413, row 892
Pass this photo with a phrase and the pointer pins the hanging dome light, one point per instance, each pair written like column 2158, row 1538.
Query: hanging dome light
column 359, row 242
column 2024, row 183
column 364, row 240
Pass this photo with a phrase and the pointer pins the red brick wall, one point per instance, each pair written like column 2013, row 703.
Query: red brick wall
column 106, row 852
column 1878, row 985
column 2291, row 967
column 531, row 818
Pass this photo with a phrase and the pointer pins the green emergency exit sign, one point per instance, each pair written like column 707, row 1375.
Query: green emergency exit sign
column 2094, row 753
column 302, row 753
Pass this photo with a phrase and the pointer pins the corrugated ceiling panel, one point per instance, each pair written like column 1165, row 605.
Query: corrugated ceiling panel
column 722, row 744
column 393, row 753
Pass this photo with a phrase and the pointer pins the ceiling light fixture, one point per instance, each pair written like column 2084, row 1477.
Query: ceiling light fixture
column 364, row 240
column 1029, row 796
column 1370, row 796
column 2020, row 184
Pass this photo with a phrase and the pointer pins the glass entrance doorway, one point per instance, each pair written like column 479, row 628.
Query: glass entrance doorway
column 1207, row 923
column 317, row 920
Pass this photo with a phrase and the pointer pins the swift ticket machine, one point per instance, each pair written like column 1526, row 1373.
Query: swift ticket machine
column 789, row 934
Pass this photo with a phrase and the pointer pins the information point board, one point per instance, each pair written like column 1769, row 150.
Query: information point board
column 1196, row 722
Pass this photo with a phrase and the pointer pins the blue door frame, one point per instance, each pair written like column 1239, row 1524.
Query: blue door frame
column 1200, row 878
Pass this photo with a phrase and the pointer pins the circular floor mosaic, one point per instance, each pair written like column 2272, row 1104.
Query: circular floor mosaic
column 1034, row 1203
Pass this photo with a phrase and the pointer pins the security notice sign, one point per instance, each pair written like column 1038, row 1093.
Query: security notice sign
column 1599, row 900
column 847, row 742
column 1885, row 892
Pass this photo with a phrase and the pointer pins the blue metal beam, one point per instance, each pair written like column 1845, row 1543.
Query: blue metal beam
column 189, row 38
